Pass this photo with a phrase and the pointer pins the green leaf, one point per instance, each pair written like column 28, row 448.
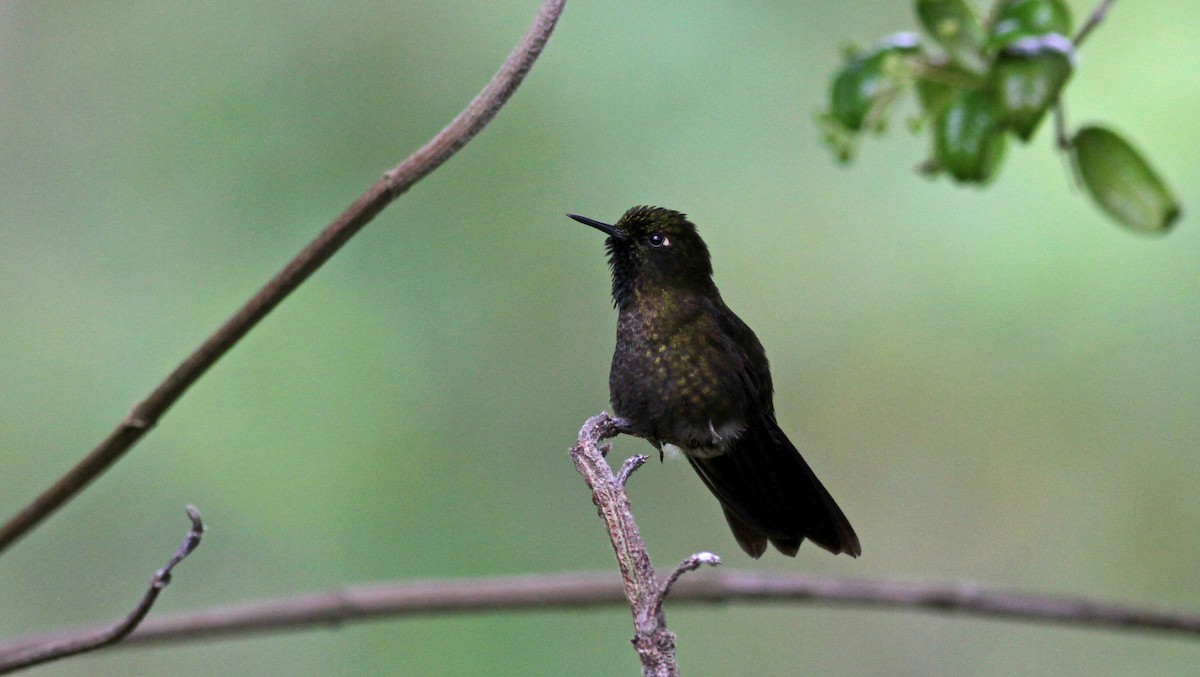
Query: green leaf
column 868, row 82
column 1027, row 78
column 956, row 27
column 1024, row 18
column 968, row 141
column 1122, row 182
column 934, row 95
column 852, row 94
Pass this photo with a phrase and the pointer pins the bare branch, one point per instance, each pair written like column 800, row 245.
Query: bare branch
column 630, row 465
column 29, row 654
column 146, row 413
column 690, row 564
column 963, row 598
column 655, row 644
column 589, row 590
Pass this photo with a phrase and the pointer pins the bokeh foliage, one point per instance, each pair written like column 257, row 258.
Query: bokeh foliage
column 981, row 78
column 995, row 384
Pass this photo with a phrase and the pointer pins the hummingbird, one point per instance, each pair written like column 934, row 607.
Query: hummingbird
column 688, row 373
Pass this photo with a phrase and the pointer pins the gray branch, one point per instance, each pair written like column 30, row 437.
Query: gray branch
column 36, row 651
column 541, row 593
column 655, row 644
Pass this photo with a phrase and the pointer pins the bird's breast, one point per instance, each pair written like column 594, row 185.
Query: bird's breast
column 674, row 383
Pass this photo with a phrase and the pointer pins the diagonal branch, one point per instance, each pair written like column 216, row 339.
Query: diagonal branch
column 1095, row 19
column 34, row 653
column 146, row 413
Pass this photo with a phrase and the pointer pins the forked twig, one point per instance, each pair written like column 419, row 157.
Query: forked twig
column 655, row 643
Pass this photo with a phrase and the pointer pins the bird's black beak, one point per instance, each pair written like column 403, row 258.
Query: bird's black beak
column 611, row 230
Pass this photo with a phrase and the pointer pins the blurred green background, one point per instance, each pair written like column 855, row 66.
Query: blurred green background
column 998, row 386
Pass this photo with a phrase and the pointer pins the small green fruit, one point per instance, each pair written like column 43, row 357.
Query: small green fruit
column 1122, row 182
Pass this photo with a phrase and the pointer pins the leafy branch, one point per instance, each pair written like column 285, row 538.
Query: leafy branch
column 984, row 80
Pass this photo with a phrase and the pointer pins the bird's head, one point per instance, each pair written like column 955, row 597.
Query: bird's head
column 651, row 248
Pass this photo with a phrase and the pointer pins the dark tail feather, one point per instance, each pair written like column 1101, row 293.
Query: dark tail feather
column 769, row 493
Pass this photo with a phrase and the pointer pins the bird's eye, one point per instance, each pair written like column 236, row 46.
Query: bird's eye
column 659, row 240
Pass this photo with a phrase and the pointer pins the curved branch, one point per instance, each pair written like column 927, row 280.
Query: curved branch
column 602, row 589
column 33, row 653
column 146, row 413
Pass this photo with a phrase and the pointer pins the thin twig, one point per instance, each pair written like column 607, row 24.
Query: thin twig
column 629, row 466
column 603, row 589
column 1094, row 20
column 29, row 654
column 146, row 413
column 1060, row 127
column 690, row 564
column 1060, row 119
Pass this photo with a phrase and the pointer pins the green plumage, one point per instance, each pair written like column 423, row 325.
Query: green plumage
column 688, row 372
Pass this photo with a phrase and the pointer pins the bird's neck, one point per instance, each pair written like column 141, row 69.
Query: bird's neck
column 633, row 296
column 666, row 308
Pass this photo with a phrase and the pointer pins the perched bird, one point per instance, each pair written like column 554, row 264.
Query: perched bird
column 688, row 372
